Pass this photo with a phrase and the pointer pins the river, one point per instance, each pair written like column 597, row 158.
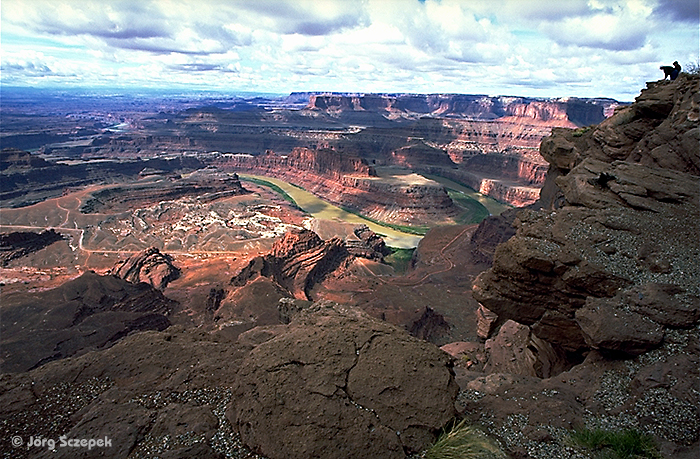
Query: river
column 323, row 210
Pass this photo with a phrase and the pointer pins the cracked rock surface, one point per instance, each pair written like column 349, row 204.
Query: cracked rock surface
column 335, row 382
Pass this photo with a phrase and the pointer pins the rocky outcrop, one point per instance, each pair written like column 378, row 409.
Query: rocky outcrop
column 516, row 350
column 149, row 266
column 87, row 313
column 625, row 222
column 18, row 244
column 367, row 244
column 297, row 262
column 205, row 185
column 335, row 383
column 492, row 231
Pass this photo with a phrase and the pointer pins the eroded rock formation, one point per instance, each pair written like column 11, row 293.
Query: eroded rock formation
column 298, row 261
column 473, row 106
column 149, row 266
column 597, row 289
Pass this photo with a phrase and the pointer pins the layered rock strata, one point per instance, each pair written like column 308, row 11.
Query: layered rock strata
column 619, row 229
column 297, row 262
column 473, row 106
column 149, row 266
column 350, row 182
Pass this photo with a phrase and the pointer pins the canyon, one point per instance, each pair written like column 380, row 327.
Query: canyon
column 153, row 293
column 487, row 143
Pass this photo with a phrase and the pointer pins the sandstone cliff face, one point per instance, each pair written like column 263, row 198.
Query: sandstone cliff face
column 616, row 242
column 348, row 181
column 571, row 110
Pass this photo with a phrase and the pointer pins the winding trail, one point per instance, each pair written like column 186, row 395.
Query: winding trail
column 401, row 282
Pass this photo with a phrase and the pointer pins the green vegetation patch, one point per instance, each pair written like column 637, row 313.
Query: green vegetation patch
column 474, row 211
column 273, row 187
column 580, row 131
column 465, row 442
column 399, row 259
column 624, row 444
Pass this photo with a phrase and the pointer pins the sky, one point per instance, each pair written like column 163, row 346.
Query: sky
column 537, row 48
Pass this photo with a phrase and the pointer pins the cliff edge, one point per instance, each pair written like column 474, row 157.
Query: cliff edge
column 603, row 276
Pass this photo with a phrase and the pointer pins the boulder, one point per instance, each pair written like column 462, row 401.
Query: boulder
column 515, row 350
column 337, row 383
column 608, row 327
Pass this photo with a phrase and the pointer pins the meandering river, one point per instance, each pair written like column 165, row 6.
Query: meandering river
column 322, row 210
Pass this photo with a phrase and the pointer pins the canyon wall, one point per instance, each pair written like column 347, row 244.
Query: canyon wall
column 610, row 261
column 350, row 182
column 469, row 106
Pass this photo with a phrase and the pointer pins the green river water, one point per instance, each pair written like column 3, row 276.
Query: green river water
column 323, row 210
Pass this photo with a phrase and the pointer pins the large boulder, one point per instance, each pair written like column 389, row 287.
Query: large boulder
column 336, row 383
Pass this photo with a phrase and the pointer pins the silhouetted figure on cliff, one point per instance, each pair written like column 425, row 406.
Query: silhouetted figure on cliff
column 671, row 71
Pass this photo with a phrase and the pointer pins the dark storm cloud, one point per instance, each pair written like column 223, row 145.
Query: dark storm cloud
column 679, row 10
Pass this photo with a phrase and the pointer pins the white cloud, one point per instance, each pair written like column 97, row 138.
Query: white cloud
column 572, row 47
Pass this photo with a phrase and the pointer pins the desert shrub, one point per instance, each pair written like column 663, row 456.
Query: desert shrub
column 623, row 444
column 465, row 442
column 580, row 131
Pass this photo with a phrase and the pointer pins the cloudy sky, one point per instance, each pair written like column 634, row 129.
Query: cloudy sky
column 551, row 48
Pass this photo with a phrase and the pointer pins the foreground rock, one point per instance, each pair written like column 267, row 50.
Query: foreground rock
column 336, row 383
column 332, row 383
column 87, row 313
column 149, row 266
column 153, row 394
